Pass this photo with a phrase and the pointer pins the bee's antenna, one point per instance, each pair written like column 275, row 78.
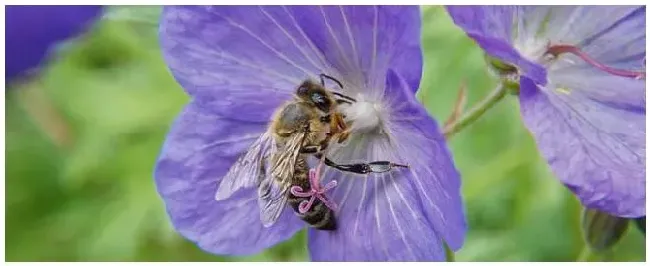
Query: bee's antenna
column 322, row 80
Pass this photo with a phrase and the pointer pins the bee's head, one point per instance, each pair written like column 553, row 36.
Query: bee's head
column 315, row 94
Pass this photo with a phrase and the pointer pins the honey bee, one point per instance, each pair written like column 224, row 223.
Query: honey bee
column 302, row 127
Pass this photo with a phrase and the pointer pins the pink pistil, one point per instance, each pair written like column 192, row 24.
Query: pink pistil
column 316, row 191
column 559, row 49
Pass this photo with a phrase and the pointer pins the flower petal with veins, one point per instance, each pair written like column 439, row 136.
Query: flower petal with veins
column 589, row 124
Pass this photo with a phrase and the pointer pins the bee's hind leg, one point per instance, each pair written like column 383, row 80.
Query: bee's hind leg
column 362, row 168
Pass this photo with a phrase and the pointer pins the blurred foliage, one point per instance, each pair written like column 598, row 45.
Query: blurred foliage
column 81, row 189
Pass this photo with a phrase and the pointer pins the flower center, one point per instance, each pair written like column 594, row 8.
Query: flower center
column 364, row 116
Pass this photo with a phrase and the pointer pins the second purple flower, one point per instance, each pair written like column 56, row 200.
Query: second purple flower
column 581, row 71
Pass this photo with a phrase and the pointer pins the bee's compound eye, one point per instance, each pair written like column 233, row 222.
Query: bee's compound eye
column 317, row 98
column 322, row 102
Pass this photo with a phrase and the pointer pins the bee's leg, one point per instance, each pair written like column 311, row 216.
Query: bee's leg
column 311, row 149
column 338, row 124
column 326, row 119
column 362, row 168
column 317, row 149
column 344, row 136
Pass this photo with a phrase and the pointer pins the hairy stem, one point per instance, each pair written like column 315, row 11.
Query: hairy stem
column 459, row 105
column 476, row 111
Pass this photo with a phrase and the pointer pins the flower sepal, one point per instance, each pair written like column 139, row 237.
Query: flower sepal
column 508, row 74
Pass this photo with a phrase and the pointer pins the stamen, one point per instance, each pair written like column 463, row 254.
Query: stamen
column 558, row 49
column 316, row 192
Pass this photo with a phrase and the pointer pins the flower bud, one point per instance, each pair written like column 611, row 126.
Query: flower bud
column 500, row 67
column 601, row 230
column 507, row 73
column 640, row 224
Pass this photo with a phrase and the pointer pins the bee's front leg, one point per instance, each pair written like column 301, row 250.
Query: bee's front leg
column 317, row 148
column 339, row 126
column 310, row 149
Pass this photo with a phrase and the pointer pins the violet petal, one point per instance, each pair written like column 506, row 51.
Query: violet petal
column 595, row 147
column 401, row 215
column 31, row 32
column 198, row 152
column 256, row 56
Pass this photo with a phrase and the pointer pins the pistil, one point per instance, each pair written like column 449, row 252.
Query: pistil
column 316, row 191
column 558, row 49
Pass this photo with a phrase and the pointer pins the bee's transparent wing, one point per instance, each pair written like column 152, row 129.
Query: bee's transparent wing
column 272, row 199
column 274, row 188
column 247, row 171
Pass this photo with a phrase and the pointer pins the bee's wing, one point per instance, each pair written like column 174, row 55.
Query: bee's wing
column 247, row 170
column 274, row 188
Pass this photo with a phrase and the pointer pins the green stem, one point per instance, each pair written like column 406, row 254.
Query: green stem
column 451, row 257
column 585, row 254
column 477, row 111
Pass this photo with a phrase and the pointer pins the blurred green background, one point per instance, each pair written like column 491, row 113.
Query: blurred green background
column 82, row 139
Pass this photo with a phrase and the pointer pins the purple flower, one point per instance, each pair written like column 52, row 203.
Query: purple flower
column 582, row 92
column 239, row 64
column 31, row 31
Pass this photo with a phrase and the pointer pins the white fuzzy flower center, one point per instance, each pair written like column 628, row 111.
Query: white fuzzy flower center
column 364, row 116
column 532, row 49
column 536, row 50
